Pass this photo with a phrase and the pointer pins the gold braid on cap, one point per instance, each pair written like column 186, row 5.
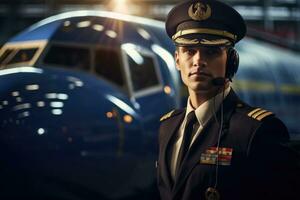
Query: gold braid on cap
column 204, row 31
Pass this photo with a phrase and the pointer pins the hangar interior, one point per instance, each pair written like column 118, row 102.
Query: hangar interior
column 82, row 93
column 277, row 21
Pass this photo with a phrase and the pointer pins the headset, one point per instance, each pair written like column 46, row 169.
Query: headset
column 232, row 63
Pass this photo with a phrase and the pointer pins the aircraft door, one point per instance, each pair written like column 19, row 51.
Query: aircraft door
column 146, row 89
column 124, row 167
column 150, row 101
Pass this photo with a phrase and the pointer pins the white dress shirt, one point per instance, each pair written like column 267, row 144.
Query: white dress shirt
column 203, row 113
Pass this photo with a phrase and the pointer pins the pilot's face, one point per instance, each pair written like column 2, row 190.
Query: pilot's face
column 199, row 65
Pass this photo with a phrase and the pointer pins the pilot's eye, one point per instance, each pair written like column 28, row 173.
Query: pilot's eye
column 189, row 51
column 213, row 51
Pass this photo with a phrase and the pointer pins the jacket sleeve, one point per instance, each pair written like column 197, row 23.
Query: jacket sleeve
column 272, row 164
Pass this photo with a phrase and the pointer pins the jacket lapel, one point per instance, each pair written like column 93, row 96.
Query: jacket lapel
column 171, row 128
column 208, row 138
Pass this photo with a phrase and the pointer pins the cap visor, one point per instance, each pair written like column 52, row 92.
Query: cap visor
column 202, row 40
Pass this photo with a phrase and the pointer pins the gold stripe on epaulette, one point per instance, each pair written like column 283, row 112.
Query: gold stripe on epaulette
column 258, row 113
column 259, row 118
column 253, row 111
column 166, row 116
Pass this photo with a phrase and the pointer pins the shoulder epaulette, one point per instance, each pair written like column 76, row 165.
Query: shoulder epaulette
column 259, row 114
column 166, row 116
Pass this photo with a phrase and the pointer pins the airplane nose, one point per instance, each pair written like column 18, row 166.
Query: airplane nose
column 37, row 103
column 65, row 126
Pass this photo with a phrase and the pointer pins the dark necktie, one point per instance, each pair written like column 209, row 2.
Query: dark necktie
column 189, row 131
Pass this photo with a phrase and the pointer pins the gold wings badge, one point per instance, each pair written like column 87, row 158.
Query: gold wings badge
column 199, row 11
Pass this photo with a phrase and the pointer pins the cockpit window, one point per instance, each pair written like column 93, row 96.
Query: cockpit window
column 23, row 55
column 14, row 56
column 69, row 57
column 108, row 65
column 142, row 72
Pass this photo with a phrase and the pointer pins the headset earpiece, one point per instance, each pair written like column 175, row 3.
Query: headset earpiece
column 232, row 63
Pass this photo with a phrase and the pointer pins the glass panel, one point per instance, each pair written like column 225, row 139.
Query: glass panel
column 70, row 57
column 23, row 55
column 143, row 73
column 108, row 65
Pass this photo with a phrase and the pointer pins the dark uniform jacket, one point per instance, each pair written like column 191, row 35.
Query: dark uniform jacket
column 259, row 167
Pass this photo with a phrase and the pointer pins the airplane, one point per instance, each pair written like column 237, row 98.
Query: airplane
column 81, row 100
column 82, row 93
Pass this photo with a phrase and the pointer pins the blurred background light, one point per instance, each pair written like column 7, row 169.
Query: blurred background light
column 111, row 33
column 131, row 51
column 32, row 87
column 83, row 24
column 41, row 131
column 167, row 89
column 15, row 93
column 67, row 23
column 62, row 96
column 144, row 33
column 56, row 104
column 109, row 115
column 98, row 27
column 120, row 6
column 57, row 112
column 22, row 106
column 127, row 118
column 40, row 103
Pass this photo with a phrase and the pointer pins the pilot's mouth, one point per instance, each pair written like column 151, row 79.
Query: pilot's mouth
column 199, row 74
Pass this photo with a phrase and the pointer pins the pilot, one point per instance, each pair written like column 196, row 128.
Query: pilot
column 218, row 147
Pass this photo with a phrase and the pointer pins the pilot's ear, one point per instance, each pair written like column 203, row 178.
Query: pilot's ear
column 176, row 55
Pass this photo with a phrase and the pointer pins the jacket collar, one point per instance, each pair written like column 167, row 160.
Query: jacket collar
column 206, row 110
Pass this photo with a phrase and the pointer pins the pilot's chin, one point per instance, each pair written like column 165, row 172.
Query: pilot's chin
column 202, row 87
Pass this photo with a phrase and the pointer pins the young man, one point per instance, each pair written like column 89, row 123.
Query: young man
column 217, row 147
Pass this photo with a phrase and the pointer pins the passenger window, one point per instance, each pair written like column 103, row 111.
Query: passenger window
column 23, row 55
column 142, row 72
column 108, row 65
column 70, row 57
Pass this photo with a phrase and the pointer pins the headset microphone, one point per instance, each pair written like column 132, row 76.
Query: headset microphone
column 219, row 81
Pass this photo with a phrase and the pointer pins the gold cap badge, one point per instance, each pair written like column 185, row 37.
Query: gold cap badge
column 199, row 11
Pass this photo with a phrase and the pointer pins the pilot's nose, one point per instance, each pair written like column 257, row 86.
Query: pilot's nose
column 198, row 59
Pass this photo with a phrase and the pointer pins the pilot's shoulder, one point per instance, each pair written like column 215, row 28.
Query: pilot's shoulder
column 256, row 113
column 171, row 114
